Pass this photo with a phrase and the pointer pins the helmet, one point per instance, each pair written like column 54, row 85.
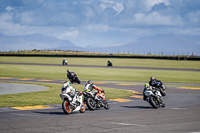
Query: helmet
column 146, row 84
column 152, row 78
column 90, row 82
column 66, row 83
column 68, row 70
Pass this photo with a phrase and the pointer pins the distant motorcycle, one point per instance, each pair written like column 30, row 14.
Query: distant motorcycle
column 109, row 64
column 95, row 100
column 64, row 62
column 67, row 108
column 154, row 97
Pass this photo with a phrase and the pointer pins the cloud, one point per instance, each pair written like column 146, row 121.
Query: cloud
column 99, row 22
column 150, row 3
column 9, row 9
column 98, row 28
column 193, row 18
column 155, row 18
column 68, row 35
column 116, row 6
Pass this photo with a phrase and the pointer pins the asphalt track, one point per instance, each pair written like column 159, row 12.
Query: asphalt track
column 181, row 114
column 134, row 115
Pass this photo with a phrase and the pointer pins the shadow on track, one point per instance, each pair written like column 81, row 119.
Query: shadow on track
column 50, row 113
column 138, row 107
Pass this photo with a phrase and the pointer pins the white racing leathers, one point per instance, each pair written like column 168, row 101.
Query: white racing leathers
column 69, row 92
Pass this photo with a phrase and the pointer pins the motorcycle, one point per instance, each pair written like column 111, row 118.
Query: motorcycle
column 64, row 62
column 154, row 97
column 162, row 88
column 94, row 99
column 67, row 97
column 109, row 64
column 73, row 78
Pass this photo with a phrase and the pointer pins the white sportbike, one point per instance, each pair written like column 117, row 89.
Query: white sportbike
column 154, row 97
column 67, row 97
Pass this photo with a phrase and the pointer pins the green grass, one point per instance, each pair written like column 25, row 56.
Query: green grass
column 103, row 62
column 86, row 73
column 50, row 96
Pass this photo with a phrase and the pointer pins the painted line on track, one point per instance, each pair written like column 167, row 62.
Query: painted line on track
column 25, row 79
column 121, row 100
column 126, row 124
column 32, row 107
column 193, row 88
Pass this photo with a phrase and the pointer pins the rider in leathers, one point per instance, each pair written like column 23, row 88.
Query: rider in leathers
column 153, row 82
column 71, row 92
column 89, row 86
column 70, row 75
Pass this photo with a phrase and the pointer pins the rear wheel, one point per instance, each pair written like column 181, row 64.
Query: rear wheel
column 107, row 106
column 82, row 108
column 78, row 80
column 91, row 103
column 66, row 107
column 162, row 91
column 154, row 102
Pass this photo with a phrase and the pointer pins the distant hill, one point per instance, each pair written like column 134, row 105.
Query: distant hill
column 157, row 44
column 160, row 44
column 34, row 41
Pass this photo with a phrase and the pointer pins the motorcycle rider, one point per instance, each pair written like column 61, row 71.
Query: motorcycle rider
column 154, row 82
column 71, row 92
column 89, row 86
column 64, row 62
column 146, row 87
column 109, row 63
column 70, row 75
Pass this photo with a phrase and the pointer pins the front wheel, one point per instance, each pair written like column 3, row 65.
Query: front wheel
column 154, row 102
column 66, row 107
column 91, row 103
column 82, row 108
column 107, row 106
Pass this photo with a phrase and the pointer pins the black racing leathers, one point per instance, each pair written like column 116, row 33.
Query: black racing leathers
column 154, row 82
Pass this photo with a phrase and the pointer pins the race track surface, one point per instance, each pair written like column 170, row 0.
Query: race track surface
column 181, row 114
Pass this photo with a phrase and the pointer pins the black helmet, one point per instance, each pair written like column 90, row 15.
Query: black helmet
column 90, row 82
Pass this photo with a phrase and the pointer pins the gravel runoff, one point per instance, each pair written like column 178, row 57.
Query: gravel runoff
column 13, row 88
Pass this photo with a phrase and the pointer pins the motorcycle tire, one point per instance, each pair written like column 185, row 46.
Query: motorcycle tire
column 107, row 106
column 66, row 107
column 82, row 108
column 154, row 102
column 91, row 103
column 162, row 91
column 78, row 80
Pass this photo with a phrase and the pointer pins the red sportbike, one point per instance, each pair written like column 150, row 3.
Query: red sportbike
column 95, row 99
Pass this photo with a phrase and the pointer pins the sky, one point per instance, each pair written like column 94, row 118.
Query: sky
column 100, row 23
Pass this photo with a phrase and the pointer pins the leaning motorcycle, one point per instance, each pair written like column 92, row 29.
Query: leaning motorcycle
column 66, row 97
column 162, row 88
column 95, row 99
column 154, row 97
column 74, row 78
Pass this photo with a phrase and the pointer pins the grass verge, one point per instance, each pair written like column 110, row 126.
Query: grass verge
column 91, row 73
column 50, row 96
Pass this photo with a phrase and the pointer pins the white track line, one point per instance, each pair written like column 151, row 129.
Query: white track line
column 126, row 124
